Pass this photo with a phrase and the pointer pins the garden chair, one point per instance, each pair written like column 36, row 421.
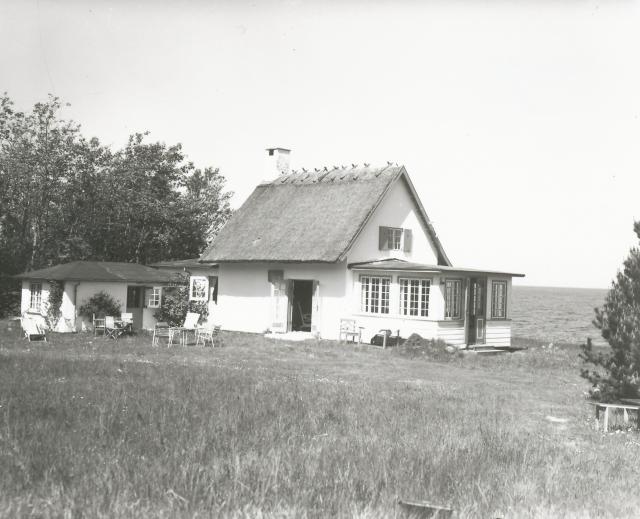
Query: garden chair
column 127, row 321
column 349, row 330
column 32, row 331
column 190, row 325
column 98, row 325
column 207, row 334
column 111, row 329
column 162, row 331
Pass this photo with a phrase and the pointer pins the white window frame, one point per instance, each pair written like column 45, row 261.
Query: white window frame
column 456, row 314
column 201, row 284
column 155, row 297
column 35, row 296
column 407, row 306
column 377, row 303
column 498, row 299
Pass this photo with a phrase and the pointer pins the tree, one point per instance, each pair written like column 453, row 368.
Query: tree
column 64, row 197
column 617, row 371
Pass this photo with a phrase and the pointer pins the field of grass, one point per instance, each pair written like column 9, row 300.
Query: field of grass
column 263, row 428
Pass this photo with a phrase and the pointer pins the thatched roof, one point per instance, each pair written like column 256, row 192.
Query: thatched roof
column 309, row 216
column 100, row 271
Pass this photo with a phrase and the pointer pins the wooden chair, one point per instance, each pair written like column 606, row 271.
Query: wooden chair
column 162, row 331
column 32, row 331
column 111, row 329
column 98, row 325
column 207, row 334
column 127, row 321
column 349, row 330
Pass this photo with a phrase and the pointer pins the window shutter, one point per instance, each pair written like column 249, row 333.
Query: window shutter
column 408, row 240
column 382, row 238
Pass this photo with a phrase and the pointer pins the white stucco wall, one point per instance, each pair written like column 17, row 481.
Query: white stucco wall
column 396, row 210
column 245, row 302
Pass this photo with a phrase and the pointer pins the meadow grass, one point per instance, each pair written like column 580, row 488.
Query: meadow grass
column 264, row 428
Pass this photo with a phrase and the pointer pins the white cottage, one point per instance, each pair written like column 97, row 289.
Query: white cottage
column 308, row 249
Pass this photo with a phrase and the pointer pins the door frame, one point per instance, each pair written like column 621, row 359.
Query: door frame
column 476, row 311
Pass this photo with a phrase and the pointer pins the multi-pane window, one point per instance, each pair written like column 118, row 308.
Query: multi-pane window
column 499, row 299
column 414, row 296
column 199, row 288
column 374, row 294
column 154, row 297
column 35, row 302
column 391, row 238
column 453, row 299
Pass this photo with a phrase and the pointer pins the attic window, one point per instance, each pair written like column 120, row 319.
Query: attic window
column 395, row 238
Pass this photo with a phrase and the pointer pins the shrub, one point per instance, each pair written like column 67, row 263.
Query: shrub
column 100, row 304
column 619, row 322
column 175, row 305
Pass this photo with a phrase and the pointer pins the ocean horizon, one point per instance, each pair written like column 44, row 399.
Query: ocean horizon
column 556, row 314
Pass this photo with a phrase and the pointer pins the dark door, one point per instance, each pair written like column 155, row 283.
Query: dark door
column 477, row 314
column 302, row 305
column 135, row 304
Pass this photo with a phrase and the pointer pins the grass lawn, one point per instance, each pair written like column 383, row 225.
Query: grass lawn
column 263, row 428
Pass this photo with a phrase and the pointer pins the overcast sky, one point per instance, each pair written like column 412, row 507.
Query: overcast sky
column 517, row 121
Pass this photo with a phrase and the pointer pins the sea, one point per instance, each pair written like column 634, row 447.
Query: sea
column 556, row 314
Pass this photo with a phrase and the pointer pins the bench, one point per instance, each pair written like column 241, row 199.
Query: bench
column 606, row 407
column 349, row 330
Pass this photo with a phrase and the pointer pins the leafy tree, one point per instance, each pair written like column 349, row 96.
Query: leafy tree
column 64, row 197
column 617, row 370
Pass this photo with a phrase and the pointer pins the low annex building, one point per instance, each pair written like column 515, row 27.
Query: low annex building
column 137, row 288
column 308, row 249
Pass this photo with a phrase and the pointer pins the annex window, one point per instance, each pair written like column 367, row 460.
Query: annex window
column 414, row 296
column 499, row 299
column 453, row 299
column 394, row 238
column 198, row 289
column 374, row 294
column 154, row 297
column 35, row 301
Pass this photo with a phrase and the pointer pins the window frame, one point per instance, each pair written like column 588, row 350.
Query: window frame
column 405, row 302
column 193, row 282
column 365, row 307
column 495, row 294
column 390, row 235
column 154, row 300
column 38, row 296
column 459, row 314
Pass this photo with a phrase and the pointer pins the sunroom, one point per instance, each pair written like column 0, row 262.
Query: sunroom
column 463, row 307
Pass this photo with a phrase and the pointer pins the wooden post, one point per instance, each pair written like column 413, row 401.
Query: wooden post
column 606, row 419
column 384, row 340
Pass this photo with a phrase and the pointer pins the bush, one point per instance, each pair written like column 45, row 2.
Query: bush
column 619, row 322
column 100, row 304
column 175, row 305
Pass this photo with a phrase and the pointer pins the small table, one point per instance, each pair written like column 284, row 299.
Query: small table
column 125, row 326
column 184, row 332
column 624, row 407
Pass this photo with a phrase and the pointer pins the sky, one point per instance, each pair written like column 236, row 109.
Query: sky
column 518, row 121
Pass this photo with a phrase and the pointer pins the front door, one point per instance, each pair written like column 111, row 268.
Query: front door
column 477, row 314
column 135, row 304
column 301, row 310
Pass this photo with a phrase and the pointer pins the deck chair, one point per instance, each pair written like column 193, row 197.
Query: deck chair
column 207, row 334
column 191, row 321
column 162, row 331
column 32, row 331
column 190, row 325
column 111, row 329
column 98, row 325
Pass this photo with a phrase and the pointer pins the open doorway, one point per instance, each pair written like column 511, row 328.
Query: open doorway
column 301, row 305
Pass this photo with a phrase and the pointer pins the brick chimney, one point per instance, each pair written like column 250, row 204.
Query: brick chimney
column 277, row 162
